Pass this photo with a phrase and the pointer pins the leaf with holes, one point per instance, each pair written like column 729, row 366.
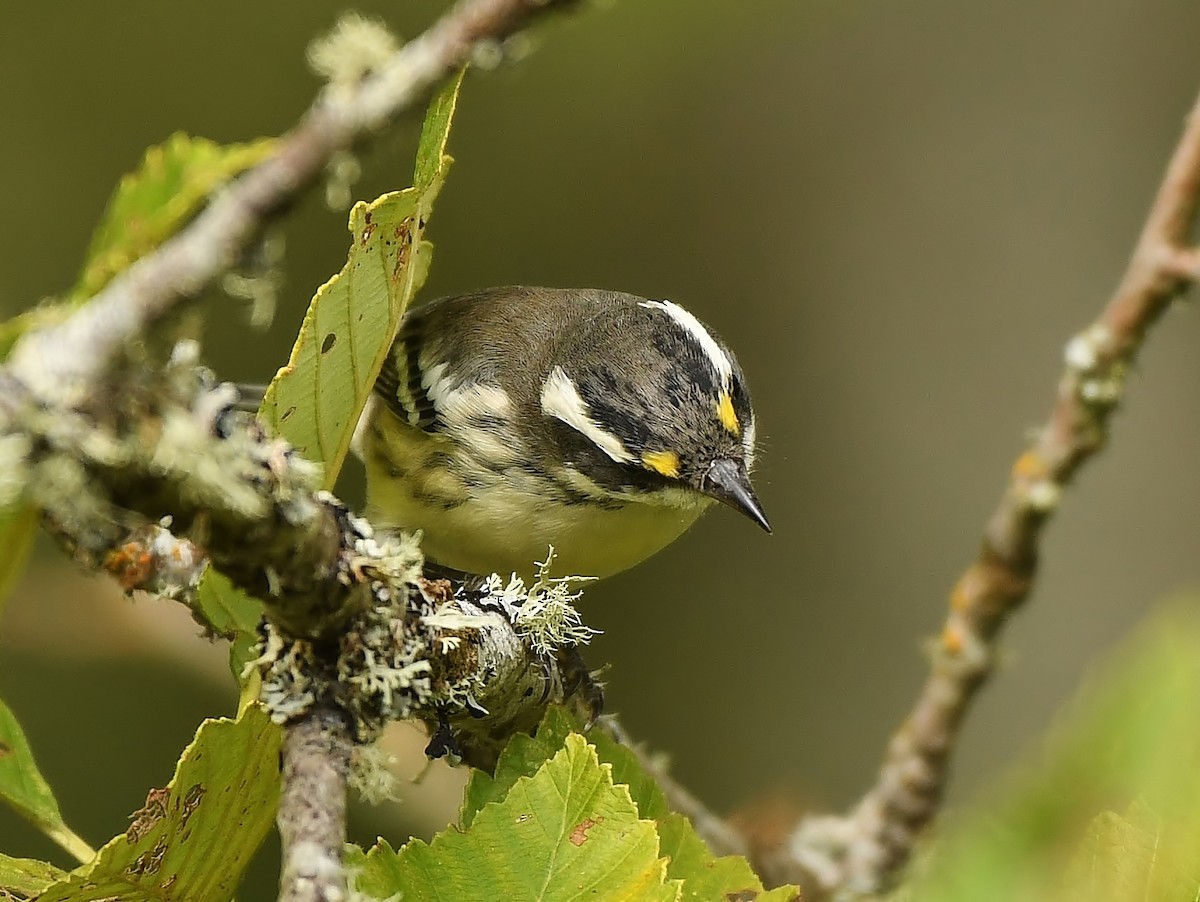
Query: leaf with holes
column 26, row 878
column 315, row 400
column 192, row 840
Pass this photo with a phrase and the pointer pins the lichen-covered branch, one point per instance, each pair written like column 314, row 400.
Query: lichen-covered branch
column 63, row 362
column 863, row 852
column 351, row 620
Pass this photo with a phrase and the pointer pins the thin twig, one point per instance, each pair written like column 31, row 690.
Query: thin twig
column 876, row 840
column 312, row 807
column 66, row 359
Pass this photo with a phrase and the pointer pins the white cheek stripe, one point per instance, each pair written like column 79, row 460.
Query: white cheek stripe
column 437, row 384
column 560, row 399
column 717, row 357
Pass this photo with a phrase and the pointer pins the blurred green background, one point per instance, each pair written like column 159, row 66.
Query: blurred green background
column 896, row 211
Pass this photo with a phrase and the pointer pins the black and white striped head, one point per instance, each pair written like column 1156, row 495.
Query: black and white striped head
column 645, row 400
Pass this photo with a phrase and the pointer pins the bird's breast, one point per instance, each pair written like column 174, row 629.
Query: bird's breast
column 483, row 508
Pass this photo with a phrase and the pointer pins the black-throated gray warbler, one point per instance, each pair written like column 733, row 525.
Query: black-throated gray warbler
column 514, row 419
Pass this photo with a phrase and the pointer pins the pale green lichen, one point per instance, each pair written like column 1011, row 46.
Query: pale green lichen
column 342, row 171
column 546, row 614
column 371, row 775
column 14, row 467
column 352, row 50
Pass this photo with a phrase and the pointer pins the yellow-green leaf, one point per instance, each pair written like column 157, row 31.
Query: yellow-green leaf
column 703, row 876
column 192, row 840
column 25, row 878
column 1137, row 855
column 525, row 754
column 707, row 877
column 227, row 610
column 174, row 181
column 564, row 833
column 24, row 788
column 315, row 400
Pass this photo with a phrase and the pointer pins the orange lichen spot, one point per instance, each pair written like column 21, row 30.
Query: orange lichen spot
column 665, row 463
column 132, row 564
column 1029, row 466
column 726, row 414
column 952, row 640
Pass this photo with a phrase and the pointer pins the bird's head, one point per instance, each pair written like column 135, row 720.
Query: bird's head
column 650, row 405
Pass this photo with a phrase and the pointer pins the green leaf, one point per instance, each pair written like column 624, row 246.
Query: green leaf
column 231, row 614
column 565, row 833
column 24, row 788
column 315, row 400
column 150, row 205
column 1135, row 856
column 525, row 754
column 704, row 876
column 174, row 181
column 25, row 878
column 522, row 757
column 707, row 877
column 192, row 841
column 1135, row 738
column 18, row 527
column 431, row 148
column 227, row 610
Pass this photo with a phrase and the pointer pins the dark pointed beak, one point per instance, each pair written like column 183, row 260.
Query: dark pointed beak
column 728, row 482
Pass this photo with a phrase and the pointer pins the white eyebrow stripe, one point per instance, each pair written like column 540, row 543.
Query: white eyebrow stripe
column 715, row 353
column 560, row 399
column 749, row 435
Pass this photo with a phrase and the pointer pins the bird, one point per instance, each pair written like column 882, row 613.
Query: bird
column 512, row 420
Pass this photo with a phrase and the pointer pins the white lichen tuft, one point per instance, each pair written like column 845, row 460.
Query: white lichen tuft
column 1085, row 351
column 1044, row 496
column 286, row 668
column 342, row 171
column 383, row 670
column 184, row 451
column 352, row 50
column 14, row 467
column 259, row 279
column 371, row 775
column 487, row 54
column 546, row 615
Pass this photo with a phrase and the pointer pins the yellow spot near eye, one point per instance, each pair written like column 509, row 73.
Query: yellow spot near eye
column 665, row 463
column 725, row 412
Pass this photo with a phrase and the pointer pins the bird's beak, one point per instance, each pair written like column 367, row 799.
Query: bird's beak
column 728, row 482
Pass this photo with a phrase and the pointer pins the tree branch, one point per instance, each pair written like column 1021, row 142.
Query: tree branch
column 312, row 807
column 863, row 852
column 63, row 361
